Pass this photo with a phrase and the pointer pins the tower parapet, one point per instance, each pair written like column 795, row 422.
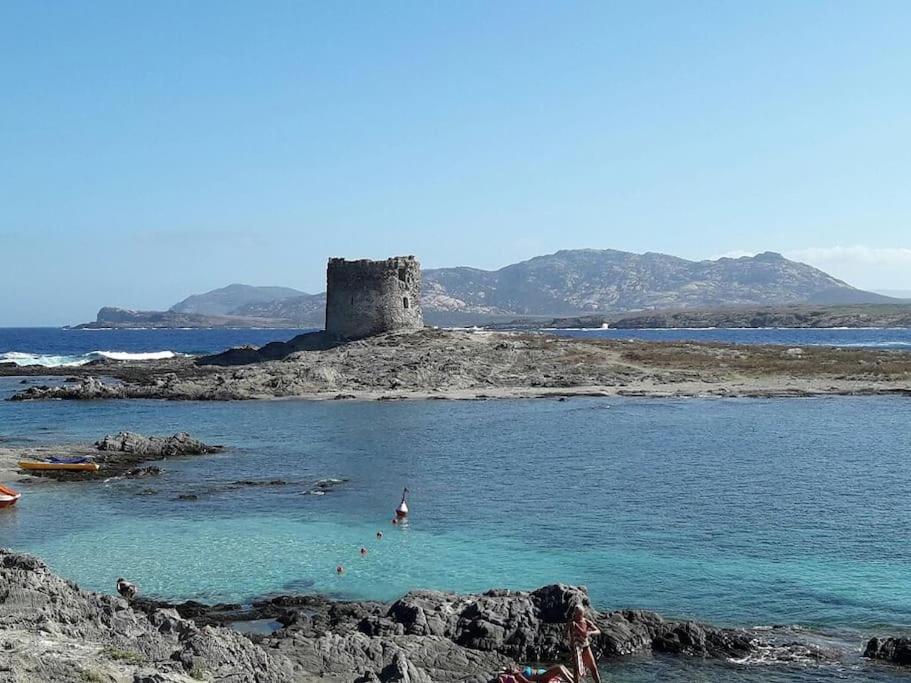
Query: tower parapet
column 366, row 297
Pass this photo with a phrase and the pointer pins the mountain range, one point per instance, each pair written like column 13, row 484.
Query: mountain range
column 569, row 282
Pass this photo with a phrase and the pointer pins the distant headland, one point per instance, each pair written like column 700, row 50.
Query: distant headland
column 568, row 284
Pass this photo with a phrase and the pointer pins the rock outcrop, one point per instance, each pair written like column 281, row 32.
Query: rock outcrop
column 154, row 447
column 482, row 364
column 50, row 630
column 86, row 388
column 121, row 455
column 894, row 650
column 449, row 636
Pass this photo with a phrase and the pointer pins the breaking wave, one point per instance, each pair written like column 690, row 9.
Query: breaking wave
column 55, row 361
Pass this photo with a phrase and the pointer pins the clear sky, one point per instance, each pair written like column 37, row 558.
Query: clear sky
column 149, row 150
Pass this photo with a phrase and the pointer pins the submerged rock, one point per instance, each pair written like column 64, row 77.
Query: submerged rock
column 150, row 471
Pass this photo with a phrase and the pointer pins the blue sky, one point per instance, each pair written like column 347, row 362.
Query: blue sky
column 151, row 150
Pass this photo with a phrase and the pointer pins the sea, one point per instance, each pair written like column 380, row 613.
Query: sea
column 792, row 513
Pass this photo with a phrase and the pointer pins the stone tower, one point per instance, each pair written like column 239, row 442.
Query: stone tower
column 371, row 297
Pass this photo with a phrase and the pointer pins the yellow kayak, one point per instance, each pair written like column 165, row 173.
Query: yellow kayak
column 59, row 466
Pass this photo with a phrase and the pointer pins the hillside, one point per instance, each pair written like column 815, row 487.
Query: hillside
column 306, row 308
column 226, row 300
column 567, row 283
column 606, row 281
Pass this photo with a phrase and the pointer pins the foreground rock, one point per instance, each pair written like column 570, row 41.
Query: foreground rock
column 50, row 630
column 446, row 637
column 436, row 636
column 894, row 650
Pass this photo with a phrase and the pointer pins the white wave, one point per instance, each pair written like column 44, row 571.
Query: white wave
column 125, row 355
column 47, row 360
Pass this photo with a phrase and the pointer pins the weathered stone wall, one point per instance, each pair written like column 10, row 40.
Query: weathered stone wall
column 364, row 297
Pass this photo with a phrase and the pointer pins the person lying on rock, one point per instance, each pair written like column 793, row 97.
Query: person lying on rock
column 555, row 674
column 581, row 629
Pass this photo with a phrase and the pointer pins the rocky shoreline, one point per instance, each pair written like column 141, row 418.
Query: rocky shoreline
column 119, row 455
column 481, row 364
column 50, row 631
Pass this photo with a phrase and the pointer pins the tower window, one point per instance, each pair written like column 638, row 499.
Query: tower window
column 403, row 276
column 405, row 302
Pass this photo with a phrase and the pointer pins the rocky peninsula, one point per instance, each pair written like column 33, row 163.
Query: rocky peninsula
column 458, row 364
column 51, row 630
column 798, row 316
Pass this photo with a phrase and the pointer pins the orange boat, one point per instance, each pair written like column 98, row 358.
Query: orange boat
column 8, row 497
column 59, row 466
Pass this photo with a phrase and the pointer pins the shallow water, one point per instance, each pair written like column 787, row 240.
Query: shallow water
column 740, row 511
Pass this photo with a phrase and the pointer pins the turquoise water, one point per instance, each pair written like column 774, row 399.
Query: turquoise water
column 741, row 512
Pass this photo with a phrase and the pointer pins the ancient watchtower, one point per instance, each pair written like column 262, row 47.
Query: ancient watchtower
column 371, row 297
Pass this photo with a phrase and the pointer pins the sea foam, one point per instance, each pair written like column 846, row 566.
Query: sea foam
column 47, row 360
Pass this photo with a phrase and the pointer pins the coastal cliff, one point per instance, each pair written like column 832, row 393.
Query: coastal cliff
column 110, row 317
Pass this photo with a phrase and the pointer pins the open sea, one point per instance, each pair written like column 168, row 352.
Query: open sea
column 742, row 512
